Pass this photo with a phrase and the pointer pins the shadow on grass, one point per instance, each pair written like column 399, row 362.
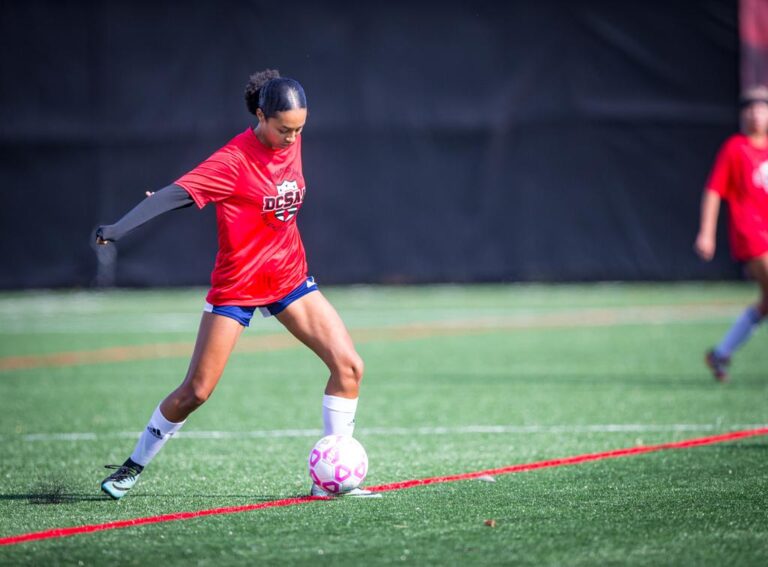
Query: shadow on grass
column 51, row 491
column 61, row 497
column 51, row 497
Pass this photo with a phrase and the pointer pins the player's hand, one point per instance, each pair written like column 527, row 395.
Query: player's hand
column 149, row 193
column 100, row 237
column 705, row 246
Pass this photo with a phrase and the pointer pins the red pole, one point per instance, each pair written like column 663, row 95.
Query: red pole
column 753, row 30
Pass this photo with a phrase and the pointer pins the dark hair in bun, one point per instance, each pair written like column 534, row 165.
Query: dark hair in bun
column 272, row 93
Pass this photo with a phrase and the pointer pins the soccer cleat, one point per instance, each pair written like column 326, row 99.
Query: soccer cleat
column 120, row 481
column 354, row 493
column 718, row 365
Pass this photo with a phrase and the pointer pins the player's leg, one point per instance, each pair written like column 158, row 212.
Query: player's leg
column 758, row 268
column 742, row 329
column 314, row 321
column 216, row 338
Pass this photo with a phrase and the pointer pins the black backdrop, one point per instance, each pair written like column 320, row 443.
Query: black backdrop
column 447, row 141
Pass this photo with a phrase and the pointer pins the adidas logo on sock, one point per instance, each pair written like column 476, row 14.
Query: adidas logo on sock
column 155, row 432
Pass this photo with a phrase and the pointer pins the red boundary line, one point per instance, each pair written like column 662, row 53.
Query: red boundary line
column 64, row 532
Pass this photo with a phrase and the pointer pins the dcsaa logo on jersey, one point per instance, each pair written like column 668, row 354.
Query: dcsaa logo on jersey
column 761, row 176
column 286, row 204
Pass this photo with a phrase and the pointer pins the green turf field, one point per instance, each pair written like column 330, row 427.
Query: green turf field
column 458, row 379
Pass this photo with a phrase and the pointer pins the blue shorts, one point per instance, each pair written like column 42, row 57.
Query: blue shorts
column 243, row 314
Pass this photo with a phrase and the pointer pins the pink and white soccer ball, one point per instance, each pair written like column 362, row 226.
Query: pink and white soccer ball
column 338, row 463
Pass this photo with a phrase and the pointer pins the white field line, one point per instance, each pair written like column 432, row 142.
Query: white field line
column 412, row 431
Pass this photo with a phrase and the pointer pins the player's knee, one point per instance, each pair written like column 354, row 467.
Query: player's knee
column 195, row 395
column 200, row 395
column 349, row 368
column 357, row 367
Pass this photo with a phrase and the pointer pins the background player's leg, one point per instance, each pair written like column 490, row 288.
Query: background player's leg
column 748, row 321
column 314, row 321
column 758, row 269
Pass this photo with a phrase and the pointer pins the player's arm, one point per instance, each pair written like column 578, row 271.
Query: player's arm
column 167, row 199
column 706, row 239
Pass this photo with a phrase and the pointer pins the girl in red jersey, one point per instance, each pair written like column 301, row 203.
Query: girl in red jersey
column 257, row 186
column 740, row 176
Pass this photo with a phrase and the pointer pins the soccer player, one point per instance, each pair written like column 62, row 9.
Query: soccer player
column 740, row 176
column 257, row 186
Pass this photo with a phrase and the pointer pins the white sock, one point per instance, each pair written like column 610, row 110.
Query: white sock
column 154, row 436
column 739, row 332
column 338, row 415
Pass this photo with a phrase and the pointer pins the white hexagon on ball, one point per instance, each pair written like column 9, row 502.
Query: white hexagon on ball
column 337, row 463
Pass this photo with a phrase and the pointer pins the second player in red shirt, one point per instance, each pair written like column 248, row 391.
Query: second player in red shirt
column 740, row 177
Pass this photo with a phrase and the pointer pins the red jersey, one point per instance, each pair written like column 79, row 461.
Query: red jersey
column 258, row 192
column 740, row 176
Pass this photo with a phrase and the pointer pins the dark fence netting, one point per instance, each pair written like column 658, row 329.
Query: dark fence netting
column 446, row 141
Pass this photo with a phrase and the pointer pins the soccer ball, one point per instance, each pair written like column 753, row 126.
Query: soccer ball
column 337, row 463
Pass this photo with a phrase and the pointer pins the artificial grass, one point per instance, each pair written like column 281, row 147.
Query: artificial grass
column 695, row 506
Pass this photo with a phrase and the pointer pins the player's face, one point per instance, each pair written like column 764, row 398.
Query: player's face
column 282, row 129
column 756, row 118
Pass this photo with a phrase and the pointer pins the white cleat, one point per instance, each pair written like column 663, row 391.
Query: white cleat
column 354, row 493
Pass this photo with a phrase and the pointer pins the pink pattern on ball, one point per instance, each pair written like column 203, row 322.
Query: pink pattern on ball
column 331, row 486
column 342, row 473
column 331, row 455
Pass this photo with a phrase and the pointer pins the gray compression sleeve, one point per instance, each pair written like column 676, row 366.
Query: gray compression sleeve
column 167, row 199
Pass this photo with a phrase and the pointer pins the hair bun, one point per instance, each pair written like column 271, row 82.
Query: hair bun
column 255, row 82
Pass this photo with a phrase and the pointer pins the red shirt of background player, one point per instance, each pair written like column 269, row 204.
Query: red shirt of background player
column 258, row 192
column 740, row 176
